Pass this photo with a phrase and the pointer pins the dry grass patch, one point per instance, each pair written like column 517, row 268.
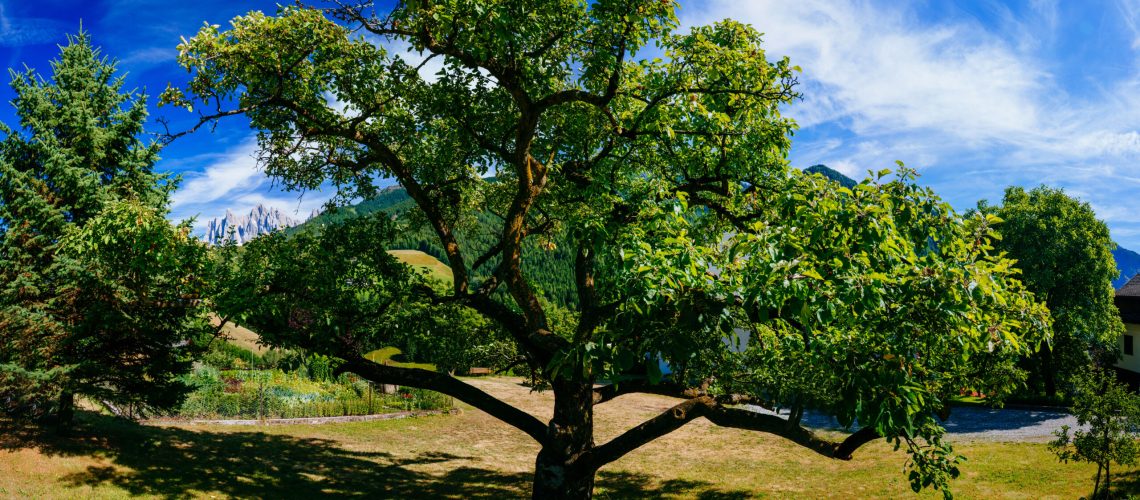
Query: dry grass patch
column 240, row 336
column 420, row 260
column 472, row 455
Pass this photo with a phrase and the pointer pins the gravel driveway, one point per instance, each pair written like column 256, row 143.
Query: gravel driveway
column 971, row 423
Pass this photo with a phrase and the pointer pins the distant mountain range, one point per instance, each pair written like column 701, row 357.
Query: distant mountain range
column 1128, row 262
column 242, row 228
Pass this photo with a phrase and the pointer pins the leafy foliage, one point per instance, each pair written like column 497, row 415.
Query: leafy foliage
column 1064, row 253
column 130, row 285
column 334, row 284
column 1112, row 413
column 98, row 292
column 550, row 265
column 667, row 181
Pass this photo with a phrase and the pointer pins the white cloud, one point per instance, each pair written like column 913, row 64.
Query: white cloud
column 875, row 68
column 235, row 170
column 976, row 107
column 1103, row 143
column 233, row 181
column 24, row 31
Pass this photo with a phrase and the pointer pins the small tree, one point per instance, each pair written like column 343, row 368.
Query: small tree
column 1112, row 413
column 129, row 292
column 97, row 290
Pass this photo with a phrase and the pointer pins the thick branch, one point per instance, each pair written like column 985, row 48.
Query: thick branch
column 672, row 389
column 446, row 384
column 669, row 421
column 608, row 392
column 750, row 420
column 706, row 406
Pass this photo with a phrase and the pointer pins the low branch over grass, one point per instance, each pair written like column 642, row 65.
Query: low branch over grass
column 446, row 384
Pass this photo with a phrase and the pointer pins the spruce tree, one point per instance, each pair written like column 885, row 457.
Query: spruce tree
column 74, row 177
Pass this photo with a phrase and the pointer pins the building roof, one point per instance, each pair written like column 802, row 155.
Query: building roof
column 1128, row 301
column 1130, row 289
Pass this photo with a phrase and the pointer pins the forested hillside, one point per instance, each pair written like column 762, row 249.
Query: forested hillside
column 832, row 174
column 552, row 269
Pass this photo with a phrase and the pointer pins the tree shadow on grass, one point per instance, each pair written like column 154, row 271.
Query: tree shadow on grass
column 631, row 485
column 173, row 462
column 1124, row 485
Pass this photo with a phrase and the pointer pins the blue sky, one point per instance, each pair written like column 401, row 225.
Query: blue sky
column 977, row 95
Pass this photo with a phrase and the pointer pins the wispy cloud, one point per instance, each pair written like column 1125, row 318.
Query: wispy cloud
column 976, row 102
column 1130, row 15
column 149, row 56
column 232, row 180
column 24, row 31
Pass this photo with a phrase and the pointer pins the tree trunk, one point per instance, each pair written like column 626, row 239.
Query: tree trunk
column 555, row 478
column 1096, row 484
column 557, row 475
column 1107, row 479
column 66, row 411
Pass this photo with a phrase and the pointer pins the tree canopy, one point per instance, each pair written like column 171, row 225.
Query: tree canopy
column 1065, row 254
column 97, row 289
column 694, row 243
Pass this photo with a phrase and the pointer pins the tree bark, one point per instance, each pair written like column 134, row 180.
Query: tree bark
column 65, row 414
column 558, row 471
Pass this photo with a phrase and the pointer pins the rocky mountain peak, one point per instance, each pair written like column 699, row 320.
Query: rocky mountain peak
column 260, row 220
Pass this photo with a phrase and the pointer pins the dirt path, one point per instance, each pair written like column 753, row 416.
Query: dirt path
column 968, row 423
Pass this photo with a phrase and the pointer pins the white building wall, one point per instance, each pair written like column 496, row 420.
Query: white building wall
column 1130, row 362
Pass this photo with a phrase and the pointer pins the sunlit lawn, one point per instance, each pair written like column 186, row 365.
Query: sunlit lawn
column 473, row 456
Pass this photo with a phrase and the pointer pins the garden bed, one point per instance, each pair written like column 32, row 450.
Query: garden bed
column 304, row 421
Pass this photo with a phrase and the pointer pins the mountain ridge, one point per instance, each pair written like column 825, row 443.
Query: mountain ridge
column 243, row 228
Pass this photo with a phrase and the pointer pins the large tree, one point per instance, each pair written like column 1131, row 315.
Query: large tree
column 695, row 243
column 1065, row 255
column 96, row 287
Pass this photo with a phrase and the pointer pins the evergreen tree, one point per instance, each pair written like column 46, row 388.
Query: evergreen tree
column 73, row 181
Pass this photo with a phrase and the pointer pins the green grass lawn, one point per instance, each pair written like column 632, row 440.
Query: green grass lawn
column 471, row 455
